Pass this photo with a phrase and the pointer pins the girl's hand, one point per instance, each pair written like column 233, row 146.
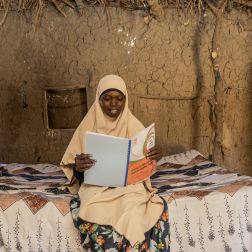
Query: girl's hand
column 84, row 162
column 154, row 153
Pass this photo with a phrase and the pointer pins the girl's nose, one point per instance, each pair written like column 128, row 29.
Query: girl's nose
column 113, row 102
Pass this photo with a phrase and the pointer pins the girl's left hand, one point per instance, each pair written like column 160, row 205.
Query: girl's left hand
column 154, row 153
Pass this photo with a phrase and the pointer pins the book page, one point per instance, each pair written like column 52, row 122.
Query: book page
column 142, row 142
column 141, row 168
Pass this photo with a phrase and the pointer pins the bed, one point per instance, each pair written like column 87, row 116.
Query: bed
column 209, row 208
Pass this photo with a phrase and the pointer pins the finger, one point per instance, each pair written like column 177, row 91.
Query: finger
column 152, row 148
column 82, row 164
column 83, row 156
column 82, row 168
column 155, row 157
column 154, row 152
column 86, row 161
column 151, row 152
column 156, row 147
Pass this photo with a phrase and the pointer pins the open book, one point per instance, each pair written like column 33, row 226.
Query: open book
column 120, row 161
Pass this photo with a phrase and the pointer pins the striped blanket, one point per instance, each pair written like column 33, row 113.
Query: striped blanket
column 209, row 207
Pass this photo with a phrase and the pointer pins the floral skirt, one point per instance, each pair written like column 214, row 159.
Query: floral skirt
column 103, row 238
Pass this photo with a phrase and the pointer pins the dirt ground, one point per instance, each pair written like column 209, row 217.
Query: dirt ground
column 163, row 63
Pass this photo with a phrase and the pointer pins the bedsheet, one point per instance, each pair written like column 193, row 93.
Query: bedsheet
column 209, row 208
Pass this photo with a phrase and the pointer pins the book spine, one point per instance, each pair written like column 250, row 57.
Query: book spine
column 127, row 164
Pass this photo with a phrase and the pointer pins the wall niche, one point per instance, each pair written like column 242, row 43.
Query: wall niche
column 65, row 107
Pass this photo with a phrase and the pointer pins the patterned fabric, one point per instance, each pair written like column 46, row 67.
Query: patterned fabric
column 209, row 208
column 46, row 228
column 103, row 238
column 189, row 174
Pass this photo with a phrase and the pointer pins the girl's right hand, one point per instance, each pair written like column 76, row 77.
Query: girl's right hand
column 84, row 162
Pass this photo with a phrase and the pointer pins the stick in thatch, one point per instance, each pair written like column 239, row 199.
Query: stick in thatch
column 25, row 4
column 58, row 8
column 247, row 3
column 68, row 4
column 39, row 6
column 6, row 5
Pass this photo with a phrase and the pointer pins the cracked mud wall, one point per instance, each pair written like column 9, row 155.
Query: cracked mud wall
column 166, row 66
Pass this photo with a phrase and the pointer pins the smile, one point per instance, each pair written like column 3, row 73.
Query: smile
column 114, row 111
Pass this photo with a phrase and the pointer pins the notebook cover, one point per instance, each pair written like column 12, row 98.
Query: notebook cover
column 112, row 155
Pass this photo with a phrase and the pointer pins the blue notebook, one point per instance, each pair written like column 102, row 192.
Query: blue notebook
column 112, row 155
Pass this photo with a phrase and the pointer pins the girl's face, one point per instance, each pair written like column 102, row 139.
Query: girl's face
column 112, row 103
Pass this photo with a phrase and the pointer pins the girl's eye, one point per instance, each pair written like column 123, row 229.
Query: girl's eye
column 120, row 98
column 106, row 98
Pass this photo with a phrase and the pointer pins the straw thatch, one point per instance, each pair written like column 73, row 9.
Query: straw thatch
column 153, row 8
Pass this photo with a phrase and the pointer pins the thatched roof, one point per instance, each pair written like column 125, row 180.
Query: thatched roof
column 150, row 7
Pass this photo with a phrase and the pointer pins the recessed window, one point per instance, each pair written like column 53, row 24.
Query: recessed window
column 65, row 107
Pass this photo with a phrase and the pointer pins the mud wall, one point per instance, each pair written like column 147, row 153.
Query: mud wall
column 166, row 66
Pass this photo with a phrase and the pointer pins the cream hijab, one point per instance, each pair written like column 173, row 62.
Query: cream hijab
column 126, row 125
column 130, row 210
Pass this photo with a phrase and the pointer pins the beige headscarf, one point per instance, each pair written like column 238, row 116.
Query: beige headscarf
column 126, row 125
column 120, row 207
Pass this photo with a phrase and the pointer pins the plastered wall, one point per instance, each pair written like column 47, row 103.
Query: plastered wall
column 166, row 66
